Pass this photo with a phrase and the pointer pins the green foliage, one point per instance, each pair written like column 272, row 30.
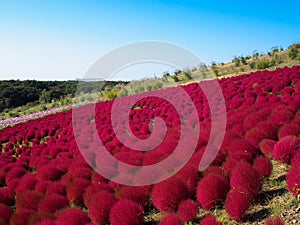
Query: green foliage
column 111, row 95
column 187, row 76
column 175, row 78
column 244, row 60
column 264, row 64
column 236, row 61
column 252, row 65
column 293, row 53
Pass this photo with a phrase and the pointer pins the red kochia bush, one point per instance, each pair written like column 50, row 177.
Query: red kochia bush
column 6, row 196
column 21, row 217
column 236, row 204
column 93, row 189
column 170, row 219
column 28, row 200
column 212, row 190
column 274, row 221
column 210, row 220
column 75, row 191
column 27, row 182
column 48, row 172
column 38, row 217
column 245, row 179
column 52, row 203
column 167, row 195
column 5, row 213
column 100, row 207
column 293, row 176
column 72, row 216
column 266, row 147
column 126, row 212
column 286, row 148
column 263, row 166
column 140, row 195
column 188, row 210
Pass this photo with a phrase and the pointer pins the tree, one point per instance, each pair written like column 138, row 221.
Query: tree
column 236, row 61
column 293, row 53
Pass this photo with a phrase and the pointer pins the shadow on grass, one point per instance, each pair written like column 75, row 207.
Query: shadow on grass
column 257, row 216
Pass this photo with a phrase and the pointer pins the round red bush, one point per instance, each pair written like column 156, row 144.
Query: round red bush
column 27, row 182
column 170, row 219
column 212, row 190
column 293, row 179
column 210, row 220
column 126, row 212
column 266, row 147
column 28, row 200
column 285, row 149
column 236, row 204
column 274, row 221
column 16, row 172
column 188, row 210
column 7, row 196
column 140, row 195
column 52, row 203
column 100, row 206
column 263, row 166
column 167, row 195
column 21, row 217
column 245, row 179
column 93, row 189
column 72, row 216
column 5, row 213
column 56, row 187
column 48, row 172
column 39, row 217
column 75, row 191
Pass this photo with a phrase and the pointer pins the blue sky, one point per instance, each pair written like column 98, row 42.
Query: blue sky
column 60, row 40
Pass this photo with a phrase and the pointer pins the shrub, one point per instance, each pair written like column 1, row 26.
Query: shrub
column 287, row 130
column 21, row 217
column 140, row 195
column 5, row 213
column 56, row 187
column 212, row 190
column 285, row 149
column 293, row 179
column 266, row 147
column 167, row 195
column 27, row 182
column 274, row 221
column 16, row 172
column 188, row 210
column 170, row 219
column 126, row 212
column 236, row 204
column 75, row 191
column 72, row 217
column 28, row 200
column 245, row 179
column 100, row 207
column 39, row 217
column 41, row 186
column 48, row 172
column 6, row 196
column 263, row 166
column 52, row 203
column 210, row 220
column 93, row 189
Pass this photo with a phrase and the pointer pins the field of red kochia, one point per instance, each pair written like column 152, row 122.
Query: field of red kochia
column 45, row 180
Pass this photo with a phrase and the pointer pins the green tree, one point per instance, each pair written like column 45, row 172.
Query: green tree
column 293, row 53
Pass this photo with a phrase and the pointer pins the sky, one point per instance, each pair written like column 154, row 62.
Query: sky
column 60, row 40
